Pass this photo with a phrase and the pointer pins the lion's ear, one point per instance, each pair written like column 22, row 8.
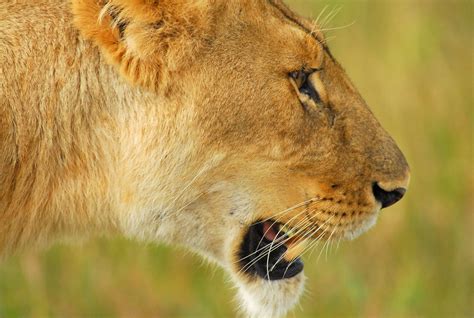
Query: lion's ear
column 145, row 39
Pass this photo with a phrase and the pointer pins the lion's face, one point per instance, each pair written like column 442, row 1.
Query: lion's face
column 281, row 150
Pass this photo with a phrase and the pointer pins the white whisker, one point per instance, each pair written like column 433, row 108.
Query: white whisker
column 305, row 236
column 330, row 16
column 339, row 28
column 314, row 199
column 315, row 242
column 322, row 249
column 182, row 191
column 300, row 240
column 261, row 240
column 272, row 248
column 320, row 14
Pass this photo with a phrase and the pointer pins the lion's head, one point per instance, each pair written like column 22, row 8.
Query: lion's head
column 248, row 140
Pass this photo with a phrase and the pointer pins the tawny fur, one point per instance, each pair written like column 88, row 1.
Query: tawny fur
column 176, row 121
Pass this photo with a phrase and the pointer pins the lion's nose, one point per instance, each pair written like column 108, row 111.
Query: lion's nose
column 387, row 198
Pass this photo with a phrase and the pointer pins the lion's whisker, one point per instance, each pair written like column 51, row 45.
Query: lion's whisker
column 272, row 248
column 305, row 236
column 190, row 202
column 316, row 21
column 261, row 240
column 315, row 241
column 305, row 221
column 330, row 16
column 276, row 221
column 338, row 242
column 338, row 28
column 183, row 191
column 298, row 205
column 331, row 243
column 322, row 249
column 329, row 240
column 263, row 253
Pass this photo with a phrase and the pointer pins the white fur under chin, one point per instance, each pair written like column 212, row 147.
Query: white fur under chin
column 264, row 299
column 369, row 223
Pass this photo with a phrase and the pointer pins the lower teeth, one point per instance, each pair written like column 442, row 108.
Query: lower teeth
column 288, row 231
column 295, row 244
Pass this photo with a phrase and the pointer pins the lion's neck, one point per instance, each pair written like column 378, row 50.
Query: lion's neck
column 76, row 141
column 60, row 111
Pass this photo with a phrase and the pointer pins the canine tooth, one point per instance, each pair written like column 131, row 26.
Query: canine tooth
column 288, row 231
column 295, row 248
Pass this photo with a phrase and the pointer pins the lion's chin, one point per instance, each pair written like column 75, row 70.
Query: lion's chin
column 268, row 284
column 269, row 298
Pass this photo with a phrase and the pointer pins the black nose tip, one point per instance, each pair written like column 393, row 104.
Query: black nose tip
column 387, row 198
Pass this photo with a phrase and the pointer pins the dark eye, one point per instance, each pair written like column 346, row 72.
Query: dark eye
column 304, row 85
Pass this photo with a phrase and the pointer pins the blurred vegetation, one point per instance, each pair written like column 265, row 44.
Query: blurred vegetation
column 413, row 63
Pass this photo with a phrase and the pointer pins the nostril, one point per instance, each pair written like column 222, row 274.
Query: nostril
column 387, row 198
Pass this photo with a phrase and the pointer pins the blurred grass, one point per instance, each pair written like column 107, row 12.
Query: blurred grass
column 413, row 63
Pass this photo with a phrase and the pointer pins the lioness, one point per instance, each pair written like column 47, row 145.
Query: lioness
column 224, row 126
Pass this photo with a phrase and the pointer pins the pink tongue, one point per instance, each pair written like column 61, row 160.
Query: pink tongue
column 270, row 230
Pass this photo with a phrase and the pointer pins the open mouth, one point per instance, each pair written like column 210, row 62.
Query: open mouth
column 269, row 252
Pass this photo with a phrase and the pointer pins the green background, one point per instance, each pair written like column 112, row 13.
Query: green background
column 413, row 63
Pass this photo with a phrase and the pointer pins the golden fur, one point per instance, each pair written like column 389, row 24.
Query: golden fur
column 176, row 121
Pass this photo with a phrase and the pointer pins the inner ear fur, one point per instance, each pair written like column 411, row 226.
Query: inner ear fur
column 145, row 39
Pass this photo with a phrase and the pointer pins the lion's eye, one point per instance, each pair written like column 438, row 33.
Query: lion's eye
column 304, row 85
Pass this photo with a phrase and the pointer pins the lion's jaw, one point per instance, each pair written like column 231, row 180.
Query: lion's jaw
column 211, row 216
column 218, row 240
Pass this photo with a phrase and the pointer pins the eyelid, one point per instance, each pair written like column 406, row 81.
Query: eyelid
column 314, row 70
column 307, row 70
